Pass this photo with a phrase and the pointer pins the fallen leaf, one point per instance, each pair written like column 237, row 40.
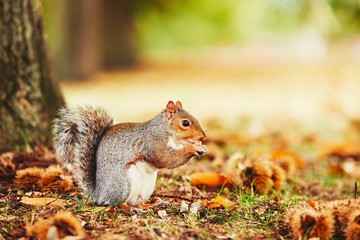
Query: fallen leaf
column 39, row 202
column 211, row 179
column 184, row 207
column 336, row 169
column 219, row 202
column 147, row 205
column 312, row 203
column 111, row 210
column 162, row 213
column 194, row 207
column 342, row 151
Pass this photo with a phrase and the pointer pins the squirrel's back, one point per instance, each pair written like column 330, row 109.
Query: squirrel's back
column 77, row 133
column 119, row 163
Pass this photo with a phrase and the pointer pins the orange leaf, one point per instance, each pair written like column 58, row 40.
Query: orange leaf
column 342, row 151
column 111, row 210
column 290, row 156
column 312, row 203
column 219, row 202
column 211, row 179
column 336, row 169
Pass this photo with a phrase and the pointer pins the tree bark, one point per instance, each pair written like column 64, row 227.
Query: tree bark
column 119, row 35
column 84, row 38
column 29, row 92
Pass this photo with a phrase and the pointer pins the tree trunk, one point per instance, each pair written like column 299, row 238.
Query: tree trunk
column 29, row 94
column 84, row 37
column 119, row 40
column 89, row 36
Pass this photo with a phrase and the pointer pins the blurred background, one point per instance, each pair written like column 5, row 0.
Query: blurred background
column 265, row 60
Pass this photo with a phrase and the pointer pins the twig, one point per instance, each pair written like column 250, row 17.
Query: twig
column 179, row 197
column 355, row 191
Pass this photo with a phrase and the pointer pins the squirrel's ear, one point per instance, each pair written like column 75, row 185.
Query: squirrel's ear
column 170, row 110
column 178, row 104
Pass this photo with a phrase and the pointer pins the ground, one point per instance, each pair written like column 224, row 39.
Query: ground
column 306, row 110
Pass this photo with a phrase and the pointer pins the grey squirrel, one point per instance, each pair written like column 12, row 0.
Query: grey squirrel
column 119, row 163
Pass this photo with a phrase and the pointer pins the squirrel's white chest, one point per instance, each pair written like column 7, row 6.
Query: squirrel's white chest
column 142, row 178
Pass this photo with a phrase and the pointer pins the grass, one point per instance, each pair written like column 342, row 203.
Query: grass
column 254, row 215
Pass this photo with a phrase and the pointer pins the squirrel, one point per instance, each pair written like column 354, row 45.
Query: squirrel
column 119, row 163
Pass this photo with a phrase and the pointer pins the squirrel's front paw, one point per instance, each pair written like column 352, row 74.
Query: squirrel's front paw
column 201, row 150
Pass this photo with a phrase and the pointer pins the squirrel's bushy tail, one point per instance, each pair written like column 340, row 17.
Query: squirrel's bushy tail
column 77, row 133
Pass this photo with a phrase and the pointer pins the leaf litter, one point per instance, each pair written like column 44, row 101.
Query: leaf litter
column 243, row 189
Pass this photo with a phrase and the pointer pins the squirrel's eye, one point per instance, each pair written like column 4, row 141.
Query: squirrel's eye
column 185, row 123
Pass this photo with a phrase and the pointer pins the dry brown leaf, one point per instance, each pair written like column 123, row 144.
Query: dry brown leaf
column 342, row 151
column 211, row 179
column 219, row 202
column 39, row 202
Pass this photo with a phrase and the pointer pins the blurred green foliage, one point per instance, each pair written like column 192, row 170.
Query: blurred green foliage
column 187, row 23
column 206, row 22
column 164, row 24
column 348, row 14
